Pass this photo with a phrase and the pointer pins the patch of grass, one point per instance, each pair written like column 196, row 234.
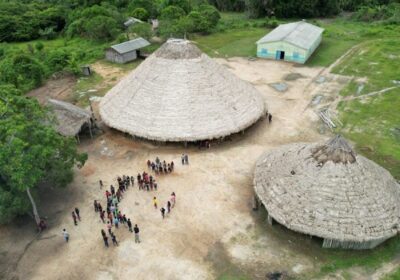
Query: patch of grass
column 85, row 88
column 235, row 42
column 228, row 276
column 371, row 259
column 393, row 276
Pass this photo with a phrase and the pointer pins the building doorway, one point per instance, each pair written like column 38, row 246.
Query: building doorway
column 280, row 55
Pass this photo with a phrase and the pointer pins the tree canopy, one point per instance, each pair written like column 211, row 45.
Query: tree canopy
column 31, row 152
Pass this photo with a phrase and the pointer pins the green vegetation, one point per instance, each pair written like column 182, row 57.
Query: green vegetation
column 393, row 276
column 31, row 153
column 371, row 259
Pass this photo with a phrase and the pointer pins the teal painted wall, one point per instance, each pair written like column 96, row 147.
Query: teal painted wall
column 292, row 53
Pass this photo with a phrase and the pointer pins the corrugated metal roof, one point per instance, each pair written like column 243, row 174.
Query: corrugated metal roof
column 131, row 45
column 301, row 34
column 132, row 20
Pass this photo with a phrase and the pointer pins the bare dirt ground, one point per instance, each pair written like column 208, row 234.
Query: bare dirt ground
column 212, row 231
column 57, row 88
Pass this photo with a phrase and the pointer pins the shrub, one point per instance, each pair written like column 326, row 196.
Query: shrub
column 140, row 13
column 142, row 30
column 172, row 13
column 199, row 23
column 210, row 13
column 39, row 46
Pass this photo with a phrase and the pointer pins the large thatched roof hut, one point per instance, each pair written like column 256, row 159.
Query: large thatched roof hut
column 327, row 190
column 70, row 119
column 180, row 94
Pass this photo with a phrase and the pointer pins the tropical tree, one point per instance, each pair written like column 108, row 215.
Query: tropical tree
column 31, row 153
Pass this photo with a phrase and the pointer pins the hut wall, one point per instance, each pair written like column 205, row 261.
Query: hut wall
column 113, row 56
column 272, row 50
column 332, row 243
column 129, row 56
column 314, row 47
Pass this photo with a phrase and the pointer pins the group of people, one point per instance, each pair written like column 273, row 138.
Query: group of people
column 170, row 204
column 185, row 159
column 160, row 167
column 146, row 182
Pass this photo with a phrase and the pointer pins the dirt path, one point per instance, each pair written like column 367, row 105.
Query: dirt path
column 212, row 231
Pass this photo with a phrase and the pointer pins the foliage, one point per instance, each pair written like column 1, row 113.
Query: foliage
column 172, row 13
column 151, row 6
column 183, row 4
column 22, row 71
column 229, row 5
column 31, row 152
column 388, row 13
column 25, row 21
column 210, row 13
column 141, row 13
column 142, row 30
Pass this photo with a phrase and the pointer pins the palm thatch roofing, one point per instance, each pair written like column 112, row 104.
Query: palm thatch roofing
column 326, row 190
column 69, row 118
column 180, row 94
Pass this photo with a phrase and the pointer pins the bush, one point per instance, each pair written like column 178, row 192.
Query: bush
column 141, row 13
column 101, row 28
column 172, row 13
column 183, row 4
column 142, row 30
column 210, row 13
column 199, row 23
column 149, row 5
column 39, row 46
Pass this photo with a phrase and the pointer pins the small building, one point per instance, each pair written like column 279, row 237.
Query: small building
column 126, row 51
column 294, row 41
column 132, row 21
column 70, row 120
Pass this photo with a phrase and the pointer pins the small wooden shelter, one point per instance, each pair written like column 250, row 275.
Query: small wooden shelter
column 70, row 119
column 328, row 191
column 127, row 51
column 294, row 42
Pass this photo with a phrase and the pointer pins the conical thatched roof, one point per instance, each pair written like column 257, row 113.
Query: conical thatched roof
column 180, row 94
column 326, row 190
column 70, row 118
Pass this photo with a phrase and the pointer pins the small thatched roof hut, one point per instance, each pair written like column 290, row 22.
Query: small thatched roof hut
column 180, row 94
column 328, row 191
column 69, row 118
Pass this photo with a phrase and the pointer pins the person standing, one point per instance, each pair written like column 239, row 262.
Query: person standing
column 74, row 218
column 116, row 222
column 186, row 159
column 114, row 239
column 96, row 206
column 77, row 213
column 105, row 239
column 129, row 223
column 155, row 202
column 101, row 184
column 102, row 216
column 173, row 199
column 136, row 230
column 269, row 118
column 162, row 212
column 183, row 159
column 168, row 207
column 109, row 227
column 65, row 235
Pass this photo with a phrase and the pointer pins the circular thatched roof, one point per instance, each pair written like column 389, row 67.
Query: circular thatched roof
column 326, row 190
column 180, row 94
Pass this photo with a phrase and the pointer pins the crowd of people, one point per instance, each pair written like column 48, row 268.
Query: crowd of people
column 111, row 215
column 160, row 167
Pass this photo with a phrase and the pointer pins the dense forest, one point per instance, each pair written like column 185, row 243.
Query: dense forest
column 31, row 152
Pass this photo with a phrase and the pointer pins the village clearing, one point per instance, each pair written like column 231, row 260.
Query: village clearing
column 212, row 233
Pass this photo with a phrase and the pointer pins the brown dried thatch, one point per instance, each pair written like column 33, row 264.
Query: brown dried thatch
column 336, row 149
column 348, row 200
column 180, row 94
column 70, row 118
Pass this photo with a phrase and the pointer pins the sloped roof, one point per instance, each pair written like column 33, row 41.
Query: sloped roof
column 301, row 34
column 131, row 45
column 333, row 193
column 132, row 20
column 180, row 94
column 70, row 118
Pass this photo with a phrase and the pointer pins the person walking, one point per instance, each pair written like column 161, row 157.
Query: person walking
column 102, row 216
column 116, row 222
column 173, row 199
column 136, row 230
column 162, row 212
column 186, row 159
column 155, row 202
column 77, row 213
column 269, row 118
column 101, row 184
column 74, row 218
column 109, row 227
column 129, row 223
column 96, row 206
column 65, row 235
column 114, row 239
column 105, row 239
column 168, row 206
column 183, row 159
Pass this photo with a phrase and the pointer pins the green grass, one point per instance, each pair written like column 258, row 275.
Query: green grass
column 235, row 42
column 369, row 259
column 393, row 276
column 82, row 87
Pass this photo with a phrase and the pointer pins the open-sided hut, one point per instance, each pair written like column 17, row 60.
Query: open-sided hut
column 70, row 119
column 328, row 191
column 180, row 94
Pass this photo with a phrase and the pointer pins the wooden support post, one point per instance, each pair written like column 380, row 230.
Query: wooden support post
column 255, row 203
column 269, row 219
column 90, row 130
column 77, row 138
